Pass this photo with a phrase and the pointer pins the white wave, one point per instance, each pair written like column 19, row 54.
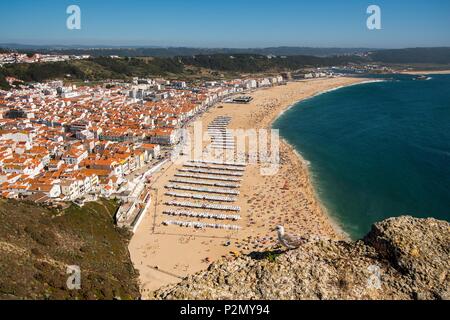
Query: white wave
column 350, row 85
column 326, row 91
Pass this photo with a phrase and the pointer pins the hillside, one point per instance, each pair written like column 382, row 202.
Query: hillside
column 179, row 51
column 410, row 255
column 104, row 68
column 413, row 56
column 92, row 69
column 37, row 244
column 209, row 63
column 244, row 63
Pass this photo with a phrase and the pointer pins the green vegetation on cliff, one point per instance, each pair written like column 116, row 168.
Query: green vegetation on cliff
column 92, row 69
column 104, row 68
column 413, row 55
column 37, row 244
column 245, row 63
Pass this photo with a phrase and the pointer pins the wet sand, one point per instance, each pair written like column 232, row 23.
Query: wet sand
column 165, row 254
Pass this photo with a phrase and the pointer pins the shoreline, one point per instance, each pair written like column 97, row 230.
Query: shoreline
column 166, row 254
column 307, row 164
column 364, row 81
column 336, row 224
column 425, row 72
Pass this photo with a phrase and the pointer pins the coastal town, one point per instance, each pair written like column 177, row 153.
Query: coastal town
column 16, row 57
column 73, row 144
column 64, row 144
column 224, row 154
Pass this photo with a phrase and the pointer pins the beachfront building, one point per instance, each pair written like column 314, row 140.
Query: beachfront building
column 250, row 84
column 165, row 136
column 152, row 150
column 75, row 156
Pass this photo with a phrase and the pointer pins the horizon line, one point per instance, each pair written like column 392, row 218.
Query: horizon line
column 15, row 45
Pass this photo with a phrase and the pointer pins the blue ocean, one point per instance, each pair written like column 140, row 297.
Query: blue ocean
column 377, row 150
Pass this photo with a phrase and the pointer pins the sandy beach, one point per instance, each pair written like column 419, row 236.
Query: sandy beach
column 426, row 72
column 166, row 254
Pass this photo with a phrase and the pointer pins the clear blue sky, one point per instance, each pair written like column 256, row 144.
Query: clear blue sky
column 230, row 23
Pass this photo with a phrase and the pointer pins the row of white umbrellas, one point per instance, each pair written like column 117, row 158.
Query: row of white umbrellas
column 203, row 215
column 213, row 172
column 203, row 189
column 201, row 225
column 222, row 147
column 211, row 206
column 213, row 167
column 222, row 143
column 207, row 183
column 237, row 164
column 208, row 177
column 200, row 197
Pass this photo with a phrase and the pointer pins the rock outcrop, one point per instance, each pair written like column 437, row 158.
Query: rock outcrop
column 401, row 258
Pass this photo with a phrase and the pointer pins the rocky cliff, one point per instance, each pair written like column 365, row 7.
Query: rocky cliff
column 401, row 258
